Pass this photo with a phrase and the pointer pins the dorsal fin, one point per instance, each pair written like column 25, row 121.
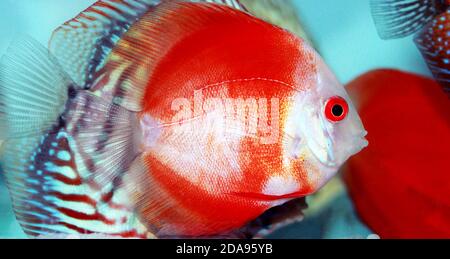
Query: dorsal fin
column 231, row 3
column 82, row 44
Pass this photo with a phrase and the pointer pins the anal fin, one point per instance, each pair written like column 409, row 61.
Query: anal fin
column 51, row 195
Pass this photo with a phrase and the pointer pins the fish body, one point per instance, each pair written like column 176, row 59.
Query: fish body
column 414, row 202
column 172, row 119
column 428, row 21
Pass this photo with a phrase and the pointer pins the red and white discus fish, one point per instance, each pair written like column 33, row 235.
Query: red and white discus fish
column 172, row 119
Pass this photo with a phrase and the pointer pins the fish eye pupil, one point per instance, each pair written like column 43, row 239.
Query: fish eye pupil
column 337, row 110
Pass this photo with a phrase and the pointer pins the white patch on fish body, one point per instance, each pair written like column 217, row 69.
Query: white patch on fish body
column 200, row 147
column 281, row 185
column 292, row 148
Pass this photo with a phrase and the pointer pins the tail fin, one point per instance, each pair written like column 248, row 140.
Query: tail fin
column 40, row 163
column 33, row 90
column 33, row 93
column 400, row 18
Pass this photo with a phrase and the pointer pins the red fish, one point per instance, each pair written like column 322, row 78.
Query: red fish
column 429, row 20
column 172, row 119
column 401, row 183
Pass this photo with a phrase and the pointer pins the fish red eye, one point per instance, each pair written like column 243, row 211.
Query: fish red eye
column 336, row 109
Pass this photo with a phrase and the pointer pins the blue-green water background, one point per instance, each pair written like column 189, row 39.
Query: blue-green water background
column 342, row 31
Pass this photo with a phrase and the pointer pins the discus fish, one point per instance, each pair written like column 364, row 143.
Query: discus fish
column 428, row 20
column 414, row 202
column 171, row 119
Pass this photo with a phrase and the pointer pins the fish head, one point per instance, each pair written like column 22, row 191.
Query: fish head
column 326, row 123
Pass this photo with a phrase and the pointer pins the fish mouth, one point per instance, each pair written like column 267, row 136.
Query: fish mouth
column 334, row 157
column 360, row 142
column 269, row 197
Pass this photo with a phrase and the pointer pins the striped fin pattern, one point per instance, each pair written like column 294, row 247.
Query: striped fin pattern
column 433, row 42
column 83, row 43
column 33, row 90
column 105, row 136
column 48, row 179
column 50, row 195
column 400, row 18
column 231, row 3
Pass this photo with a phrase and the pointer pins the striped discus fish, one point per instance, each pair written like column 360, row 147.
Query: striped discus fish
column 429, row 20
column 172, row 119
